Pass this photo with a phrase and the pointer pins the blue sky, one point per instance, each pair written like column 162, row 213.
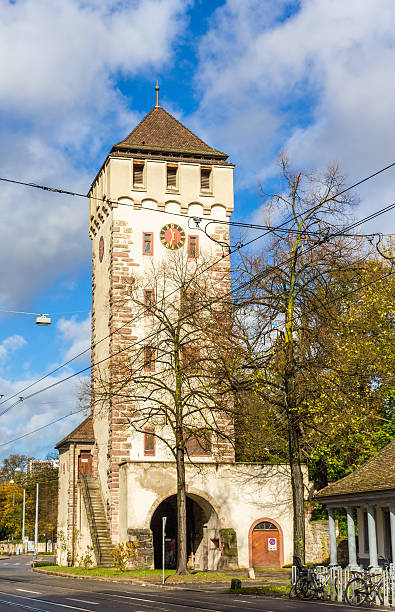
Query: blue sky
column 252, row 78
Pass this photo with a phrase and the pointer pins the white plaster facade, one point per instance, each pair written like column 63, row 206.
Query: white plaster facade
column 239, row 493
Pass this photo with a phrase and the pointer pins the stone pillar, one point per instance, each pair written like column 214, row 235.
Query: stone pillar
column 373, row 560
column 392, row 528
column 352, row 549
column 332, row 536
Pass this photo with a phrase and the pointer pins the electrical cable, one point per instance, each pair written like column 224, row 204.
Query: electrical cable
column 222, row 221
column 296, row 316
column 258, row 276
column 237, row 248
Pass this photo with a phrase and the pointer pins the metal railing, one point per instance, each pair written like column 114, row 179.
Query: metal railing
column 92, row 522
column 335, row 580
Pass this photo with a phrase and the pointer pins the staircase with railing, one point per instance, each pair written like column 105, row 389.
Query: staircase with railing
column 98, row 524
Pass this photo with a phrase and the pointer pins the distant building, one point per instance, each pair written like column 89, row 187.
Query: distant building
column 35, row 466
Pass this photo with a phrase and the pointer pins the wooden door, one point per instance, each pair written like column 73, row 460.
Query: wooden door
column 85, row 463
column 266, row 545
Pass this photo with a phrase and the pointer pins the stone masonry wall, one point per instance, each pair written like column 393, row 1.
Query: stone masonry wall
column 120, row 317
column 145, row 549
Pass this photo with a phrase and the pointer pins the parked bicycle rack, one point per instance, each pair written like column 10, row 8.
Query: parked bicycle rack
column 335, row 580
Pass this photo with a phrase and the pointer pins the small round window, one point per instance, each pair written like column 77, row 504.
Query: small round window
column 265, row 526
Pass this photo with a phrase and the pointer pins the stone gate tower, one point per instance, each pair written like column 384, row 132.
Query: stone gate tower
column 141, row 201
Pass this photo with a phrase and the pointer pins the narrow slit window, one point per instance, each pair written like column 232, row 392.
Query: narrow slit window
column 138, row 174
column 190, row 358
column 149, row 358
column 193, row 246
column 148, row 243
column 199, row 444
column 188, row 301
column 149, row 300
column 172, row 177
column 205, row 179
column 149, row 442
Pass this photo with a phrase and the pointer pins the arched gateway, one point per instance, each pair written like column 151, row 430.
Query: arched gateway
column 203, row 536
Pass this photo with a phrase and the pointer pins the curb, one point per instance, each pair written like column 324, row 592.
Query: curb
column 198, row 586
column 41, row 570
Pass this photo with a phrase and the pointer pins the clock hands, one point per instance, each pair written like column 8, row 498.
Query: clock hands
column 173, row 236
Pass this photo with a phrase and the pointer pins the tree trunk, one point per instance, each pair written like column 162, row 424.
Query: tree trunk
column 297, row 488
column 181, row 513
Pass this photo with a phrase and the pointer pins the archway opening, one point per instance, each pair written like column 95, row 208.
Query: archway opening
column 203, row 544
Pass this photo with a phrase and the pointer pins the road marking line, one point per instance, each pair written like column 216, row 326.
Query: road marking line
column 45, row 601
column 93, row 603
column 24, row 606
column 26, row 591
column 164, row 603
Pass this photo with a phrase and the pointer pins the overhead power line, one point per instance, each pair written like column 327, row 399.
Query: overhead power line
column 222, row 221
column 256, row 277
column 355, row 290
column 237, row 248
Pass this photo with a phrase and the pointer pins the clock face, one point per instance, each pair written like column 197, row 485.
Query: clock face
column 101, row 248
column 172, row 236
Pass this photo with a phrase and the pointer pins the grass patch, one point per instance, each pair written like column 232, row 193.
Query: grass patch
column 110, row 572
column 144, row 575
column 264, row 589
column 45, row 564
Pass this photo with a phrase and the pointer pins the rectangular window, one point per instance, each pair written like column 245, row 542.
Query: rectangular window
column 149, row 442
column 171, row 180
column 149, row 300
column 148, row 243
column 188, row 301
column 193, row 246
column 190, row 357
column 205, row 179
column 199, row 443
column 138, row 174
column 149, row 358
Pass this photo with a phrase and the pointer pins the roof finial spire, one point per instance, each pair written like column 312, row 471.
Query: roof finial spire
column 157, row 93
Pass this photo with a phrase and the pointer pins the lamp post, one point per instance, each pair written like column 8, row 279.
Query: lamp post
column 36, row 525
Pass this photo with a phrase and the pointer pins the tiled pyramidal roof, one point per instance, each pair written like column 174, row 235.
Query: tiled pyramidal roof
column 160, row 132
column 82, row 433
column 377, row 474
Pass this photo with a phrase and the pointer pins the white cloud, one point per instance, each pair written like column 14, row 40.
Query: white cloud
column 38, row 411
column 61, row 110
column 10, row 344
column 316, row 84
column 77, row 335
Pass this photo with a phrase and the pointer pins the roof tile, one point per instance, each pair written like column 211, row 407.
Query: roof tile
column 377, row 474
column 84, row 431
column 161, row 132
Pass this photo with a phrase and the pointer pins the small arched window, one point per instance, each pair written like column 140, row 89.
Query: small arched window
column 265, row 526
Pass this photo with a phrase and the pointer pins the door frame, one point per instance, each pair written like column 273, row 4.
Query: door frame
column 81, row 453
column 280, row 532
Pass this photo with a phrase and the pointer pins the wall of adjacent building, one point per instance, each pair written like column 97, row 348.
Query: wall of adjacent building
column 241, row 494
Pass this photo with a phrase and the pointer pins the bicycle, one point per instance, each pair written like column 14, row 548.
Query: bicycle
column 310, row 584
column 366, row 588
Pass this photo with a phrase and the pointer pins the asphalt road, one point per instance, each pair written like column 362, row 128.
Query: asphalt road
column 22, row 589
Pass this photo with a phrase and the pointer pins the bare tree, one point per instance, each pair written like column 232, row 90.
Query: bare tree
column 169, row 386
column 286, row 299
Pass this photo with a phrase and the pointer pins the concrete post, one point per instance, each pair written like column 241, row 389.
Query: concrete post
column 392, row 528
column 352, row 548
column 332, row 536
column 373, row 560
